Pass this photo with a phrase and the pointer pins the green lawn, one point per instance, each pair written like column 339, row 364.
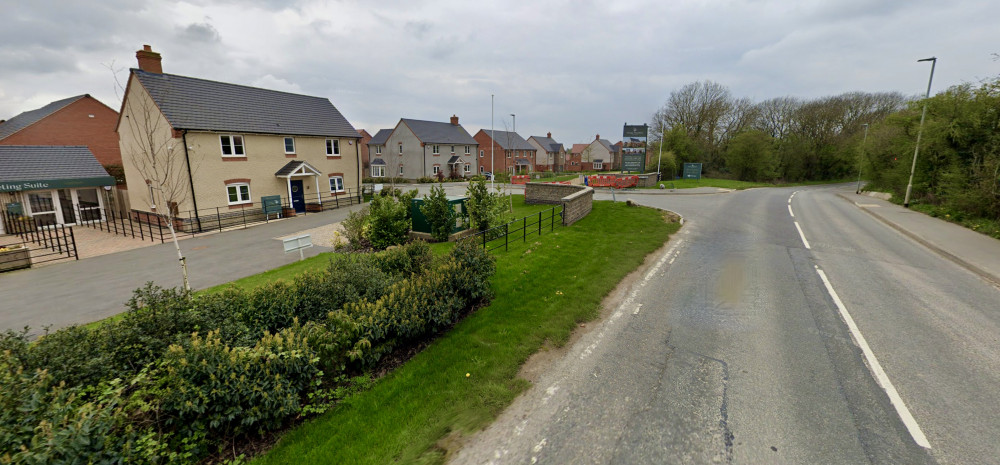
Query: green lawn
column 459, row 383
column 733, row 184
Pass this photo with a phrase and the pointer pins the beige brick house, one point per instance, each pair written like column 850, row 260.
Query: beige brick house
column 205, row 148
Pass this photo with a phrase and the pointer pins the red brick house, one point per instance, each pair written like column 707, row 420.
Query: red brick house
column 363, row 145
column 574, row 159
column 510, row 152
column 75, row 121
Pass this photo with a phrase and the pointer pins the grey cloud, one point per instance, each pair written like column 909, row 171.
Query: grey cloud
column 199, row 33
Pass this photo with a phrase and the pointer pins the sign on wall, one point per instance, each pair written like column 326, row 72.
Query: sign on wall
column 634, row 147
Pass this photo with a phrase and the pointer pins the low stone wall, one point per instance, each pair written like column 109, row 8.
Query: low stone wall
column 577, row 201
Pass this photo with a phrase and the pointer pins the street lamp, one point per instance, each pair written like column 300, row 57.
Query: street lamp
column 916, row 150
column 861, row 160
column 493, row 138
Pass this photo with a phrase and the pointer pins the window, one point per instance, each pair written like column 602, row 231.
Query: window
column 452, row 149
column 152, row 198
column 332, row 148
column 468, row 150
column 598, row 166
column 400, row 170
column 468, row 168
column 400, row 149
column 232, row 146
column 336, row 184
column 239, row 193
column 436, row 150
column 481, row 153
column 437, row 169
column 482, row 169
column 508, row 153
column 378, row 150
column 289, row 145
column 378, row 171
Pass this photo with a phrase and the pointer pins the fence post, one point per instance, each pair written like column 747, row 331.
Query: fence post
column 131, row 226
column 72, row 236
column 243, row 211
column 218, row 217
column 524, row 229
column 539, row 224
column 506, row 236
column 484, row 240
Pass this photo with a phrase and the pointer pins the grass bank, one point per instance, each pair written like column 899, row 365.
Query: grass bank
column 459, row 383
column 733, row 184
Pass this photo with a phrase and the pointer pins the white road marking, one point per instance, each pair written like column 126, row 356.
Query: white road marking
column 671, row 262
column 803, row 236
column 637, row 308
column 790, row 211
column 876, row 367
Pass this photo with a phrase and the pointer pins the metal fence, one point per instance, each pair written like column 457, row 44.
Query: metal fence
column 57, row 239
column 531, row 225
column 155, row 226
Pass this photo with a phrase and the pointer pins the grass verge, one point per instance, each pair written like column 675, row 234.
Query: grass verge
column 459, row 383
column 988, row 226
column 733, row 184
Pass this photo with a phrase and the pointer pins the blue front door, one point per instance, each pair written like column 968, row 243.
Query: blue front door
column 298, row 196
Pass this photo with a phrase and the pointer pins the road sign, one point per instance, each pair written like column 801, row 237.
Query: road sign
column 692, row 171
column 299, row 243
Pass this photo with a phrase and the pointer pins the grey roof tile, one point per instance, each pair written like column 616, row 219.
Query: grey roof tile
column 380, row 137
column 549, row 143
column 378, row 161
column 199, row 104
column 25, row 119
column 47, row 162
column 434, row 132
column 509, row 140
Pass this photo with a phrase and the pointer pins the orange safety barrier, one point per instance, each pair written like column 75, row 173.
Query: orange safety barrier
column 519, row 179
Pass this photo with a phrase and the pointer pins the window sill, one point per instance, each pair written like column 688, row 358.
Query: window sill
column 333, row 157
column 240, row 206
column 234, row 158
column 290, row 155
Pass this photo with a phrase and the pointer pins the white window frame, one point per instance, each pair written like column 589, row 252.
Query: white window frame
column 378, row 150
column 468, row 149
column 287, row 140
column 598, row 166
column 239, row 194
column 452, row 149
column 232, row 145
column 400, row 170
column 400, row 149
column 378, row 171
column 333, row 147
column 338, row 186
column 436, row 169
column 436, row 149
column 468, row 168
column 481, row 153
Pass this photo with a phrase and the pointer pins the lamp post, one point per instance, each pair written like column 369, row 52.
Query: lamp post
column 493, row 133
column 659, row 159
column 916, row 150
column 512, row 129
column 861, row 161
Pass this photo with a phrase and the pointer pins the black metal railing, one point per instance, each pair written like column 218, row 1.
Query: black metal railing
column 154, row 226
column 58, row 239
column 528, row 226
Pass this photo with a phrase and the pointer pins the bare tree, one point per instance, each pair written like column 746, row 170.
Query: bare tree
column 149, row 143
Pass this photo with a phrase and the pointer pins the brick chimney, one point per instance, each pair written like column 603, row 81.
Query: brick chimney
column 597, row 137
column 454, row 120
column 149, row 60
column 549, row 135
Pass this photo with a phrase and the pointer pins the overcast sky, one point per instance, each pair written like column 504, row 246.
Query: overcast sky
column 573, row 67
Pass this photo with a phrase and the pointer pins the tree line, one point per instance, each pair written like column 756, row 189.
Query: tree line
column 779, row 139
column 790, row 139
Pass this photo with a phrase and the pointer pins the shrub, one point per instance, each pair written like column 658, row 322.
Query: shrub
column 356, row 228
column 45, row 421
column 486, row 210
column 389, row 222
column 439, row 213
column 412, row 258
column 208, row 386
column 478, row 267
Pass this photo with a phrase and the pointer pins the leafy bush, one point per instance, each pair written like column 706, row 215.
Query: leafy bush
column 485, row 209
column 389, row 222
column 206, row 385
column 356, row 228
column 412, row 258
column 42, row 420
column 439, row 213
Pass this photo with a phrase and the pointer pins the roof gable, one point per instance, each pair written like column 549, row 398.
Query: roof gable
column 199, row 104
column 27, row 118
column 548, row 143
column 434, row 132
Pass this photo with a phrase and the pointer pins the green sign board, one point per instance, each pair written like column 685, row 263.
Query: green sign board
column 634, row 147
column 271, row 204
column 692, row 171
column 43, row 184
column 633, row 162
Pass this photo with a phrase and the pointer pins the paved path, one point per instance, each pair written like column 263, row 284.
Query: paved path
column 94, row 288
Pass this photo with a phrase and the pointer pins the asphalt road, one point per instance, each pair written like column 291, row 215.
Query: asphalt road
column 735, row 348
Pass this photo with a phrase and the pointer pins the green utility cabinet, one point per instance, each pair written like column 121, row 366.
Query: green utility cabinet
column 420, row 223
